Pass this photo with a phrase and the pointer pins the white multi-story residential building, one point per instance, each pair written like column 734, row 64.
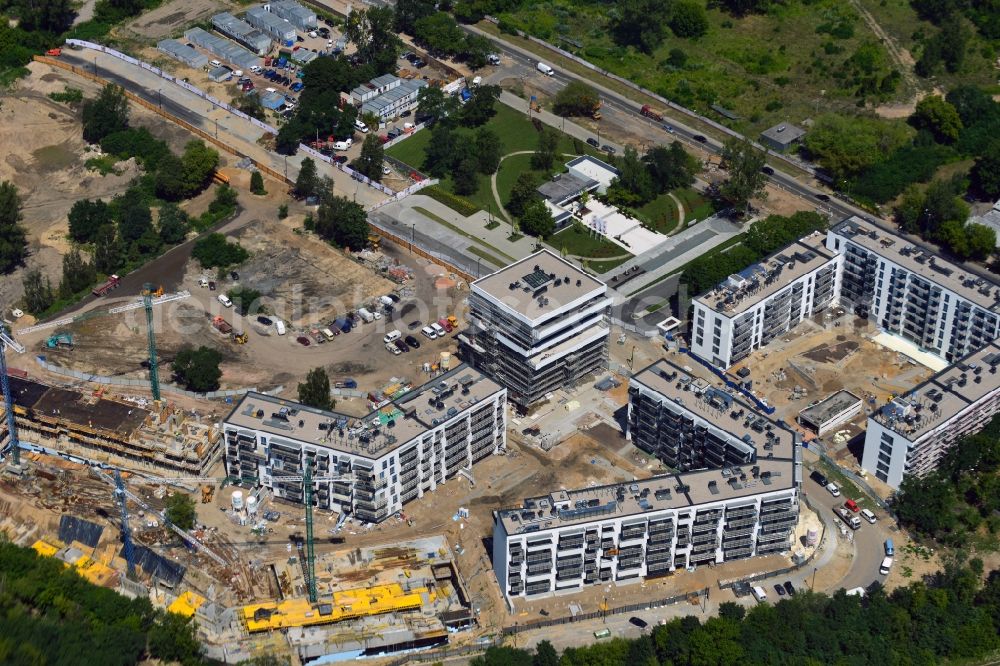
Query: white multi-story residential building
column 745, row 505
column 536, row 326
column 764, row 301
column 908, row 292
column 383, row 460
column 913, row 432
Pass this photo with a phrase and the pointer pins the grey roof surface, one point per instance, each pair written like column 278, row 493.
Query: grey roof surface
column 829, row 407
column 932, row 268
column 225, row 49
column 272, row 23
column 412, row 415
column 294, row 12
column 945, row 394
column 566, row 186
column 784, row 133
column 788, row 264
column 991, row 219
column 573, row 284
column 180, row 51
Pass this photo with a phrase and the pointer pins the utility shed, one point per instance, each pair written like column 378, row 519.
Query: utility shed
column 183, row 53
column 830, row 412
column 220, row 74
column 781, row 137
column 302, row 18
column 242, row 32
column 224, row 49
column 271, row 24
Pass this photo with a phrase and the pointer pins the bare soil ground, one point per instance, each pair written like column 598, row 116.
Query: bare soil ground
column 171, row 18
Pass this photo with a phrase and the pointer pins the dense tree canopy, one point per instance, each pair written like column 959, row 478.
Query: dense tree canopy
column 214, row 251
column 315, row 392
column 198, row 369
column 576, row 98
column 845, row 145
column 13, row 240
column 745, row 180
column 106, row 114
column 939, row 117
column 342, row 222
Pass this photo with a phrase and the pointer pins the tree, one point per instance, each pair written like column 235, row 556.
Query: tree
column 489, row 150
column 442, row 150
column 985, row 173
column 214, row 251
column 169, row 180
column 846, row 145
column 746, row 180
column 77, row 274
column 373, row 32
column 408, row 12
column 634, row 186
column 640, row 23
column 172, row 223
column 671, row 167
column 465, row 174
column 744, row 7
column 545, row 655
column 939, row 117
column 198, row 369
column 13, row 240
column 180, row 510
column 38, row 295
column 523, row 192
column 134, row 215
column 200, row 163
column 173, row 638
column 86, row 217
column 369, row 162
column 476, row 50
column 107, row 250
column 941, row 204
column 576, row 99
column 106, row 114
column 545, row 155
column 307, row 182
column 316, row 390
column 480, row 107
column 257, row 183
column 439, row 33
column 980, row 240
column 250, row 105
column 432, row 102
column 689, row 19
column 246, row 301
column 537, row 220
column 55, row 16
column 286, row 142
column 342, row 222
column 910, row 209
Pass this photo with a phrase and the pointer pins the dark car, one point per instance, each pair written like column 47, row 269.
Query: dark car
column 211, row 285
column 594, row 142
column 303, row 340
column 406, row 114
column 780, row 590
column 394, row 298
column 638, row 621
column 668, row 127
column 401, row 346
column 413, row 342
column 264, row 320
column 388, row 309
column 414, row 325
column 823, row 197
column 700, row 138
column 234, row 275
column 340, row 159
column 767, row 170
column 789, row 588
column 819, row 478
column 419, row 64
column 299, row 38
column 609, row 149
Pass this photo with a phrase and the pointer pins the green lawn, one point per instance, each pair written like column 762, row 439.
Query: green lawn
column 578, row 241
column 696, row 205
column 660, row 214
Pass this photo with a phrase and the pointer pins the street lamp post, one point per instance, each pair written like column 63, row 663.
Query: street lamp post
column 813, row 586
column 159, row 97
column 412, row 234
column 478, row 259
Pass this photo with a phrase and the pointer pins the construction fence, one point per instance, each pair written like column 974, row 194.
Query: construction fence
column 136, row 383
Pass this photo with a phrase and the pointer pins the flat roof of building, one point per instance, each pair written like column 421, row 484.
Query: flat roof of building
column 766, row 278
column 829, row 407
column 784, row 133
column 669, row 491
column 566, row 186
column 978, row 290
column 944, row 395
column 378, row 432
column 593, row 168
column 80, row 409
column 519, row 285
column 722, row 408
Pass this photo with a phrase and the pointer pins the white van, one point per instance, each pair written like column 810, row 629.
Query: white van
column 225, row 301
column 342, row 145
column 476, row 82
column 360, row 126
column 392, row 336
column 885, row 566
column 279, row 326
column 215, row 63
column 758, row 593
column 392, row 349
column 327, row 333
column 545, row 69
column 868, row 515
column 429, row 332
column 438, row 330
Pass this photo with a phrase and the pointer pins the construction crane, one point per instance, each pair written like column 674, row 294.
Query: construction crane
column 150, row 296
column 7, row 342
column 126, row 531
column 306, row 479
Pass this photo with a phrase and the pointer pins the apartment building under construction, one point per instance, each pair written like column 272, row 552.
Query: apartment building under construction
column 89, row 426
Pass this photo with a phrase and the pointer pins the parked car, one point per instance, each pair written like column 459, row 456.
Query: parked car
column 385, row 170
column 303, row 340
column 340, row 159
column 638, row 621
column 780, row 590
column 413, row 342
column 852, row 505
column 401, row 346
column 211, row 285
column 834, row 489
column 594, row 142
column 265, row 320
column 415, row 324
column 395, row 299
column 868, row 515
column 609, row 149
column 429, row 332
column 767, row 170
column 819, row 477
column 299, row 38
column 234, row 275
column 419, row 64
column 297, row 86
column 406, row 114
column 789, row 588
